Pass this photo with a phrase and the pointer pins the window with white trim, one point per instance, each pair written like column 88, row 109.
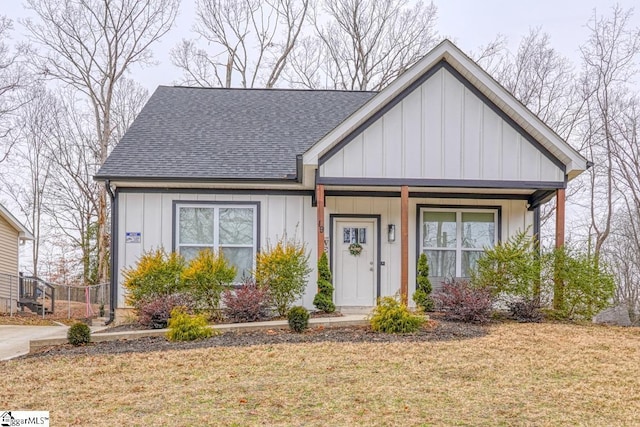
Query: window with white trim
column 454, row 239
column 229, row 228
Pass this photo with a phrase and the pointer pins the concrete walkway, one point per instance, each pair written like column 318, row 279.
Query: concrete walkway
column 15, row 340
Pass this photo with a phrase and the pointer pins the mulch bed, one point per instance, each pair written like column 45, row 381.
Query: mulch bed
column 435, row 330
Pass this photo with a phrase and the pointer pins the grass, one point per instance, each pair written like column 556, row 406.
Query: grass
column 519, row 374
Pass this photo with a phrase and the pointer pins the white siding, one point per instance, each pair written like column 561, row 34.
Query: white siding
column 152, row 215
column 515, row 218
column 442, row 130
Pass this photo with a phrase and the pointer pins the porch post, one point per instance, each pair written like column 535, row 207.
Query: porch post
column 558, row 288
column 404, row 243
column 560, row 208
column 320, row 215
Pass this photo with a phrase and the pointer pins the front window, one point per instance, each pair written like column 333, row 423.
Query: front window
column 231, row 229
column 454, row 239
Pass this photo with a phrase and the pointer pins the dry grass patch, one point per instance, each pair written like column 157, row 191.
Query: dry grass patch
column 25, row 319
column 520, row 374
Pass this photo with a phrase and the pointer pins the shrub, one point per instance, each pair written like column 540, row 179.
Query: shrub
column 461, row 301
column 156, row 273
column 79, row 334
column 248, row 303
column 187, row 327
column 422, row 295
column 298, row 318
column 392, row 317
column 154, row 312
column 324, row 298
column 585, row 284
column 510, row 268
column 283, row 270
column 207, row 276
column 525, row 310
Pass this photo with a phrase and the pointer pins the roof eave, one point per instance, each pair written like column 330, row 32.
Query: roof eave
column 447, row 51
column 23, row 232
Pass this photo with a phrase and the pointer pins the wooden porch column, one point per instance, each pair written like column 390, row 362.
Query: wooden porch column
column 558, row 288
column 320, row 215
column 560, row 208
column 404, row 243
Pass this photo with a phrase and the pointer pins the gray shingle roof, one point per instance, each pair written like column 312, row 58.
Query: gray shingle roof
column 196, row 133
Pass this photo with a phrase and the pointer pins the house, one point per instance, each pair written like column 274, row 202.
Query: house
column 444, row 160
column 12, row 232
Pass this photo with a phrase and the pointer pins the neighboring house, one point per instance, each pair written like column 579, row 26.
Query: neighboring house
column 12, row 232
column 444, row 160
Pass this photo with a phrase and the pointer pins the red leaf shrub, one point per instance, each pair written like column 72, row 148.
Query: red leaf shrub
column 458, row 300
column 154, row 312
column 248, row 303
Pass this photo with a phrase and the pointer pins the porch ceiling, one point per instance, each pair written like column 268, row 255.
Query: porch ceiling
column 443, row 190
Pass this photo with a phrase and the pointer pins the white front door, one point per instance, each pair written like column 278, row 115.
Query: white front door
column 355, row 275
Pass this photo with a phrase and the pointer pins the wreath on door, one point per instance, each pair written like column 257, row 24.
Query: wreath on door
column 355, row 249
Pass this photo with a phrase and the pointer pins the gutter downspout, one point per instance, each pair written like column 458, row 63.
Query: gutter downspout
column 113, row 290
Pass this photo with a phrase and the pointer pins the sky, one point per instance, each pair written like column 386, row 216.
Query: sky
column 468, row 23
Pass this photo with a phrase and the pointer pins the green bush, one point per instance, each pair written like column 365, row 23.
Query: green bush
column 79, row 334
column 422, row 295
column 156, row 274
column 392, row 317
column 579, row 283
column 207, row 276
column 324, row 298
column 283, row 270
column 586, row 285
column 509, row 268
column 298, row 318
column 187, row 327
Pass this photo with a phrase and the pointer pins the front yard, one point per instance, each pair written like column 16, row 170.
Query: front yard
column 518, row 374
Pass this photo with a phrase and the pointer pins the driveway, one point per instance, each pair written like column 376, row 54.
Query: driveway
column 14, row 340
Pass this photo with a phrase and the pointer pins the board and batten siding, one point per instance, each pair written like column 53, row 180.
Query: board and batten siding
column 515, row 218
column 441, row 130
column 9, row 249
column 152, row 215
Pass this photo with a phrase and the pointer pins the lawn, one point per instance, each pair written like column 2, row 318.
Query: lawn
column 519, row 374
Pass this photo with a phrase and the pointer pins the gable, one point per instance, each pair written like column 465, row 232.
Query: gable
column 442, row 127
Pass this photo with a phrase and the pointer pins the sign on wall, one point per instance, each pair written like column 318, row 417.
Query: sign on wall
column 133, row 237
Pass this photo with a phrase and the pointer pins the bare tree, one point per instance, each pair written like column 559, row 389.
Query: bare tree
column 250, row 42
column 71, row 205
column 27, row 188
column 609, row 65
column 362, row 44
column 545, row 82
column 622, row 253
column 13, row 76
column 89, row 45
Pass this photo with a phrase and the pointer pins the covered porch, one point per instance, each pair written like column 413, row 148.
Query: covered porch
column 394, row 225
